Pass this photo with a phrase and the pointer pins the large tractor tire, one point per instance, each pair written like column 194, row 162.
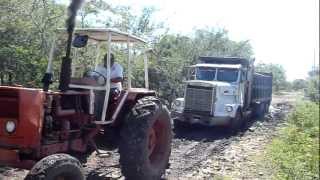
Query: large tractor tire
column 57, row 167
column 110, row 137
column 145, row 144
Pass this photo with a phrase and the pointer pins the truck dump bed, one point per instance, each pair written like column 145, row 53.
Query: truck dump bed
column 223, row 60
column 261, row 87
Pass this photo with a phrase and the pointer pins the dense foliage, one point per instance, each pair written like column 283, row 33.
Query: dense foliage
column 25, row 33
column 313, row 85
column 295, row 153
column 28, row 27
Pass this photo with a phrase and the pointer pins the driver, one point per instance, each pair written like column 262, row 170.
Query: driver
column 116, row 74
column 116, row 77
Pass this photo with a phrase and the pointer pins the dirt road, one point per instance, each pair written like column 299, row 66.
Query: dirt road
column 201, row 152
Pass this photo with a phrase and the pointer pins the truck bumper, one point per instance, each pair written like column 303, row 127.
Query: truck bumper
column 200, row 119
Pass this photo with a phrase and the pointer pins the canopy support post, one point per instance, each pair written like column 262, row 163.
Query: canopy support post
column 146, row 77
column 106, row 97
column 129, row 63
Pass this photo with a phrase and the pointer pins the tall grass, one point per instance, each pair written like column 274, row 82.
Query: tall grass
column 295, row 153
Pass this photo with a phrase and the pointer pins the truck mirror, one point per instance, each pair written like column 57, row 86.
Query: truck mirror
column 80, row 41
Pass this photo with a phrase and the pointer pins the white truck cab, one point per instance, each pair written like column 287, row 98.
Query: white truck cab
column 217, row 92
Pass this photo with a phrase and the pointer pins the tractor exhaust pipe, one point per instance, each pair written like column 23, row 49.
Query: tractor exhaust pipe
column 48, row 76
column 65, row 73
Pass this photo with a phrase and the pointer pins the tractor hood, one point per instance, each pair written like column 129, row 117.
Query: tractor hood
column 23, row 109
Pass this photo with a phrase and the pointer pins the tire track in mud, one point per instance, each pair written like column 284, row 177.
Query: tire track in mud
column 192, row 147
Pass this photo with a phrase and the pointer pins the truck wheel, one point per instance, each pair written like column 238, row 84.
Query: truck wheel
column 56, row 167
column 259, row 110
column 236, row 123
column 145, row 144
column 180, row 124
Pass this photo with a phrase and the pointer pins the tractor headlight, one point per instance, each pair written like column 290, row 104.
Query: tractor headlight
column 229, row 108
column 10, row 126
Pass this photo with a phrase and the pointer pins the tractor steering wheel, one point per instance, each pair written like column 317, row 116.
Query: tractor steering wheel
column 100, row 78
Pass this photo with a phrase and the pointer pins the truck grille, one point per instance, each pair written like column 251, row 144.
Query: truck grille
column 199, row 100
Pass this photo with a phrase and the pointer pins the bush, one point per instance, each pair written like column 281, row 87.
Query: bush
column 295, row 153
column 313, row 90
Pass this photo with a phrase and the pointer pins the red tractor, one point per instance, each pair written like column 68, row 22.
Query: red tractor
column 40, row 129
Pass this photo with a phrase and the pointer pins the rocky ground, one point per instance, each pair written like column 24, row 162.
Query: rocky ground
column 201, row 152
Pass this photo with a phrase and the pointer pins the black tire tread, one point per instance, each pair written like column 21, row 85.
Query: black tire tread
column 43, row 169
column 133, row 135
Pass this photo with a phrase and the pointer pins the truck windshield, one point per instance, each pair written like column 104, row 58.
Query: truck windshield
column 227, row 75
column 205, row 73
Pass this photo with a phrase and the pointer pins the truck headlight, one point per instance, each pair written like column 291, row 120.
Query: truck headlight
column 177, row 103
column 229, row 108
column 10, row 126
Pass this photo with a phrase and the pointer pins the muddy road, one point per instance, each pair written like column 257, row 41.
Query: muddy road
column 200, row 152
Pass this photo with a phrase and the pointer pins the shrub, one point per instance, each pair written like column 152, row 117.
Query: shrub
column 295, row 153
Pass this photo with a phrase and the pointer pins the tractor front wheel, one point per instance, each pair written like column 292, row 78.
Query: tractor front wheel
column 145, row 144
column 56, row 167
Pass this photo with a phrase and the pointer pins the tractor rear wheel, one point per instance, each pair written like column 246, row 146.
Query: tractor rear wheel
column 56, row 167
column 145, row 144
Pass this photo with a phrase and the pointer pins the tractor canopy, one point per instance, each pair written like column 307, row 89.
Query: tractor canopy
column 101, row 39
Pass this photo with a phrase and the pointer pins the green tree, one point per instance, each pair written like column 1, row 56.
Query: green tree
column 313, row 90
column 91, row 10
column 29, row 27
column 299, row 84
column 25, row 38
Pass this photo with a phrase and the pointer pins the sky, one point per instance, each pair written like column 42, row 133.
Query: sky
column 285, row 32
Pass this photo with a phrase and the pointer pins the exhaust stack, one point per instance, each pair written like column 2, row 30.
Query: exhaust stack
column 65, row 73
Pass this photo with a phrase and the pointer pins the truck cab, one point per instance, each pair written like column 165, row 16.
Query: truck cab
column 217, row 91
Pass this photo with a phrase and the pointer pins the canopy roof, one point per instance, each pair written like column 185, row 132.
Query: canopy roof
column 102, row 34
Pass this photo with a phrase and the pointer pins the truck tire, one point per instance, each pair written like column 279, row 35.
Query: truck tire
column 236, row 123
column 145, row 144
column 259, row 110
column 180, row 124
column 56, row 166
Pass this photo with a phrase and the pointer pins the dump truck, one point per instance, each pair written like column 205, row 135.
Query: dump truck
column 223, row 91
column 41, row 129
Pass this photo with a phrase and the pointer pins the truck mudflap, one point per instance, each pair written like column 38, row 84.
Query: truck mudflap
column 10, row 157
